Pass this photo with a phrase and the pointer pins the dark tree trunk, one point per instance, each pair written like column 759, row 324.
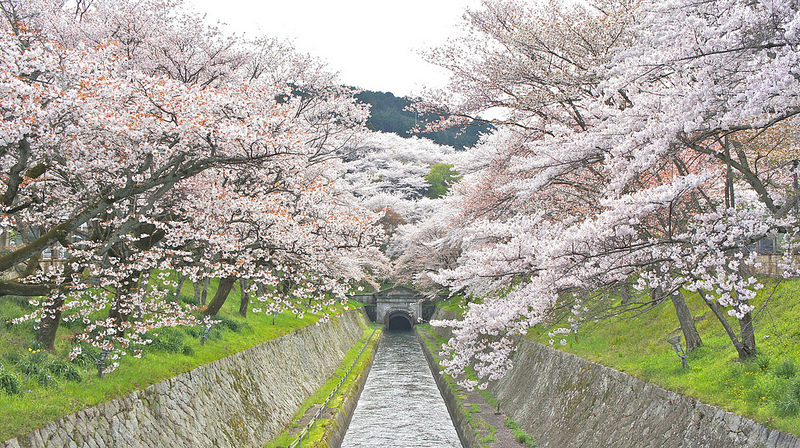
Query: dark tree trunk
column 245, row 298
column 748, row 336
column 181, row 280
column 746, row 346
column 690, row 333
column 204, row 295
column 48, row 324
column 51, row 319
column 198, row 291
column 625, row 292
column 224, row 289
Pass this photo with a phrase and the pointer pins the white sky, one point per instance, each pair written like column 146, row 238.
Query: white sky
column 372, row 44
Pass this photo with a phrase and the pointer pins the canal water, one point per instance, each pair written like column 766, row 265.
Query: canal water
column 400, row 406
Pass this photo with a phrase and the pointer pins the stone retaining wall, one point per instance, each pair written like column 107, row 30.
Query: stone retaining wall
column 243, row 400
column 565, row 401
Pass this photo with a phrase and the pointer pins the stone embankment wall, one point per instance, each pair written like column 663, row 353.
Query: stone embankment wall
column 565, row 401
column 240, row 401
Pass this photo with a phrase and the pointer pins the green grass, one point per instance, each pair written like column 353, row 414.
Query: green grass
column 520, row 435
column 765, row 388
column 178, row 351
column 316, row 434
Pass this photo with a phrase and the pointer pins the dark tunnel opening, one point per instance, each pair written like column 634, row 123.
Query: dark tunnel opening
column 399, row 322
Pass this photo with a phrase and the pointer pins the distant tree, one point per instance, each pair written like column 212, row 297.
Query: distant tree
column 441, row 177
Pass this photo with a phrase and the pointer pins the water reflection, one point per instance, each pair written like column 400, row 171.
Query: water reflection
column 400, row 406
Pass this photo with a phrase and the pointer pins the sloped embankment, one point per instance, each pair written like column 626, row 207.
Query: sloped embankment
column 565, row 401
column 239, row 401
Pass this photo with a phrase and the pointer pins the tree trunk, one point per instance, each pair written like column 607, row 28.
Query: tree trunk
column 748, row 336
column 51, row 318
column 204, row 295
column 690, row 333
column 625, row 292
column 177, row 296
column 245, row 298
column 198, row 292
column 48, row 324
column 224, row 289
column 744, row 348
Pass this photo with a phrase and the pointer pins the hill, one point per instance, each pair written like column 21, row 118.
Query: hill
column 390, row 113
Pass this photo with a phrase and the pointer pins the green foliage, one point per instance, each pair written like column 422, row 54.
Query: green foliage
column 87, row 356
column 9, row 382
column 520, row 435
column 789, row 401
column 168, row 340
column 762, row 361
column 440, row 178
column 786, row 369
column 39, row 401
column 232, row 324
column 761, row 388
column 62, row 369
column 33, row 364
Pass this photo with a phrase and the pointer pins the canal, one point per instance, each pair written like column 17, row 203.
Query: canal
column 400, row 406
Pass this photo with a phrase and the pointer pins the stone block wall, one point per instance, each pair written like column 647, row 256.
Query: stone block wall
column 565, row 401
column 243, row 400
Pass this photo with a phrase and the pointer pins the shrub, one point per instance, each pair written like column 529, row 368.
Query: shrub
column 787, row 369
column 789, row 401
column 9, row 382
column 231, row 324
column 45, row 379
column 62, row 369
column 34, row 364
column 87, row 356
column 168, row 340
column 761, row 361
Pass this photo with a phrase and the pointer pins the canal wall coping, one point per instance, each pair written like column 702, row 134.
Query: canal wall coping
column 243, row 400
column 565, row 401
column 334, row 434
column 460, row 421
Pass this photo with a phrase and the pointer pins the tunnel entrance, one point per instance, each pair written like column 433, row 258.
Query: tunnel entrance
column 399, row 320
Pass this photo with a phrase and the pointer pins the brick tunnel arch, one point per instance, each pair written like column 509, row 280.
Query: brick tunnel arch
column 398, row 320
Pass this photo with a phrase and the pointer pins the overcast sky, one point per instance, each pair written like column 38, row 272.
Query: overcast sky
column 373, row 44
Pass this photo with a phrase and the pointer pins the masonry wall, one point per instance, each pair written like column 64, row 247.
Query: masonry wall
column 240, row 401
column 565, row 401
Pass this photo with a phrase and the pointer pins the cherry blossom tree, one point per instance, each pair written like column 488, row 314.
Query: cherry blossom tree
column 121, row 119
column 634, row 157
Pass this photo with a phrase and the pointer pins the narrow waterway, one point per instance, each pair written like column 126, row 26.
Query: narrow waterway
column 400, row 406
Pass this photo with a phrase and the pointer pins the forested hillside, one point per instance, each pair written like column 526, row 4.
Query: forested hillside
column 390, row 113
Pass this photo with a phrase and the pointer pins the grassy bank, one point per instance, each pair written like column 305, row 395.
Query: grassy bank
column 766, row 388
column 49, row 387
